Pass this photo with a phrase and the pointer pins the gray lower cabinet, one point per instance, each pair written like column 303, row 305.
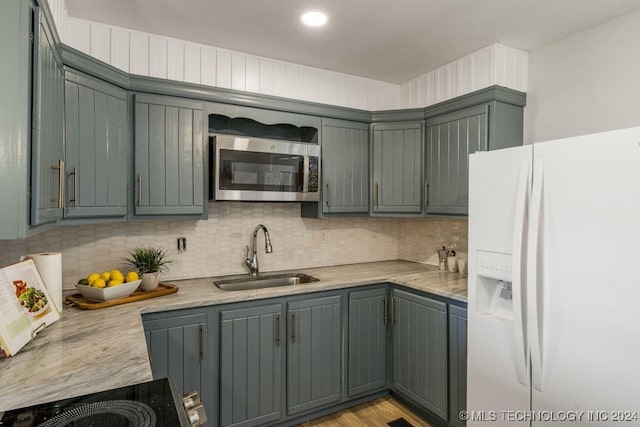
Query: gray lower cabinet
column 397, row 168
column 345, row 167
column 168, row 156
column 47, row 145
column 450, row 139
column 314, row 353
column 420, row 350
column 177, row 344
column 97, row 149
column 457, row 364
column 368, row 341
column 251, row 354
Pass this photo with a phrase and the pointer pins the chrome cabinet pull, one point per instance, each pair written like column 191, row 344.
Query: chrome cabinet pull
column 61, row 184
column 393, row 310
column 328, row 196
column 426, row 194
column 139, row 189
column 376, row 194
column 278, row 329
column 75, row 187
column 61, row 175
column 386, row 308
column 203, row 342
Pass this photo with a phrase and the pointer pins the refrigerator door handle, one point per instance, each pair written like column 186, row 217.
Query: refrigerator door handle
column 534, row 276
column 519, row 314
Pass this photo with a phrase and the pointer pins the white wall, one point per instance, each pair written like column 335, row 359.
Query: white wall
column 494, row 65
column 588, row 82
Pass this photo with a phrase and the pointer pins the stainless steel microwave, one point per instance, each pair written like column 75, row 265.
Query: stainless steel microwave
column 254, row 169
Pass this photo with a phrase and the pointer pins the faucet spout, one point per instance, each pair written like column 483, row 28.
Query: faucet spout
column 252, row 263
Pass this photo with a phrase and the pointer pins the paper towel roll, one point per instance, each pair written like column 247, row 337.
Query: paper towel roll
column 49, row 265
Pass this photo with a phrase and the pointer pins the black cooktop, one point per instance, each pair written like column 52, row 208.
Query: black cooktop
column 151, row 404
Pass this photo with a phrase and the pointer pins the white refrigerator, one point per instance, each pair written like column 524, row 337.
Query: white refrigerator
column 554, row 283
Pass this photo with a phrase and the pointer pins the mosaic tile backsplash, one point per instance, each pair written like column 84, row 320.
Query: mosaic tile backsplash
column 217, row 246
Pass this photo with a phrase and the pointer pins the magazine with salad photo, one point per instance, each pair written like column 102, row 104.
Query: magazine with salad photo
column 26, row 306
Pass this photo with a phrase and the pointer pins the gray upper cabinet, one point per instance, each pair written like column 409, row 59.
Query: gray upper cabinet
column 345, row 167
column 457, row 364
column 177, row 344
column 97, row 149
column 169, row 156
column 454, row 133
column 397, row 168
column 47, row 154
column 420, row 350
column 367, row 341
column 450, row 139
column 251, row 354
column 314, row 353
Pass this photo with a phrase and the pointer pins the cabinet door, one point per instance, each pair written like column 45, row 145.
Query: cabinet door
column 397, row 168
column 47, row 156
column 345, row 167
column 457, row 364
column 250, row 366
column 314, row 353
column 169, row 162
column 96, row 150
column 177, row 348
column 420, row 350
column 449, row 140
column 367, row 341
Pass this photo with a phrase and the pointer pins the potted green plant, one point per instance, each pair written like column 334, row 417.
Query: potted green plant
column 149, row 262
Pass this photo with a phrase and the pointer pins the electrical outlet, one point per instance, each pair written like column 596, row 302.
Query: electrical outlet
column 182, row 244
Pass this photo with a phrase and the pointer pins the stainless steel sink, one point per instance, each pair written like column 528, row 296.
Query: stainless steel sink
column 261, row 282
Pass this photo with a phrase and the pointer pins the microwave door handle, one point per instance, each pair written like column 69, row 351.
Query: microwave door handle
column 305, row 175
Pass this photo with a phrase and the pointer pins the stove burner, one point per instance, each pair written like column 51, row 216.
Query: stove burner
column 109, row 413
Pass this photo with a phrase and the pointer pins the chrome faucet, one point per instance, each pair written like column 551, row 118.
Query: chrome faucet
column 252, row 262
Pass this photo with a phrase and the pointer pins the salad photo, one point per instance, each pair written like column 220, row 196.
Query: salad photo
column 33, row 300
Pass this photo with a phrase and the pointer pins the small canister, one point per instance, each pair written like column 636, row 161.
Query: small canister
column 442, row 256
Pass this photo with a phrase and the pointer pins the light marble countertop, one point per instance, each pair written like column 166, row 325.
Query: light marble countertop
column 88, row 351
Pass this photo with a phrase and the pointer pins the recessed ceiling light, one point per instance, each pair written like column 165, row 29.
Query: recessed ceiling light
column 314, row 18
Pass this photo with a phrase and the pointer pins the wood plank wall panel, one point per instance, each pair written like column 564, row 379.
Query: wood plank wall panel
column 158, row 57
column 162, row 57
column 58, row 11
column 120, row 49
column 100, row 42
column 494, row 65
column 138, row 53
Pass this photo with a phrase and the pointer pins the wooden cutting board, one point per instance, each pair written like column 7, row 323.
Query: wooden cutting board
column 79, row 301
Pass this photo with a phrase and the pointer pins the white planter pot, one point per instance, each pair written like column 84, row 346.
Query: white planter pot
column 150, row 281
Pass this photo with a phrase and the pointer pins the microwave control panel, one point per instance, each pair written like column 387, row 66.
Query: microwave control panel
column 313, row 175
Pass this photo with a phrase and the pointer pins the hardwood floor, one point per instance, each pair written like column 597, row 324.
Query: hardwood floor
column 376, row 413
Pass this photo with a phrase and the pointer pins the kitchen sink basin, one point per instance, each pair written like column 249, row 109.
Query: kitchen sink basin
column 261, row 282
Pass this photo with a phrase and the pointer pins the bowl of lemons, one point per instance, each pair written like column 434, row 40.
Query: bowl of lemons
column 108, row 286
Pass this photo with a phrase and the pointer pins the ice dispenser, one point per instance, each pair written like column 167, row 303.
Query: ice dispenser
column 494, row 278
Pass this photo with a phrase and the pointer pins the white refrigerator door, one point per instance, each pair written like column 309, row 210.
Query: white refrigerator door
column 584, row 280
column 497, row 354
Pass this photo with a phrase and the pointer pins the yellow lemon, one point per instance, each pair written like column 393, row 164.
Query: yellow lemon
column 99, row 283
column 117, row 275
column 92, row 277
column 106, row 276
column 132, row 276
column 115, row 283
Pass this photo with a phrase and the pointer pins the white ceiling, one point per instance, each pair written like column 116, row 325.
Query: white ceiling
column 386, row 40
